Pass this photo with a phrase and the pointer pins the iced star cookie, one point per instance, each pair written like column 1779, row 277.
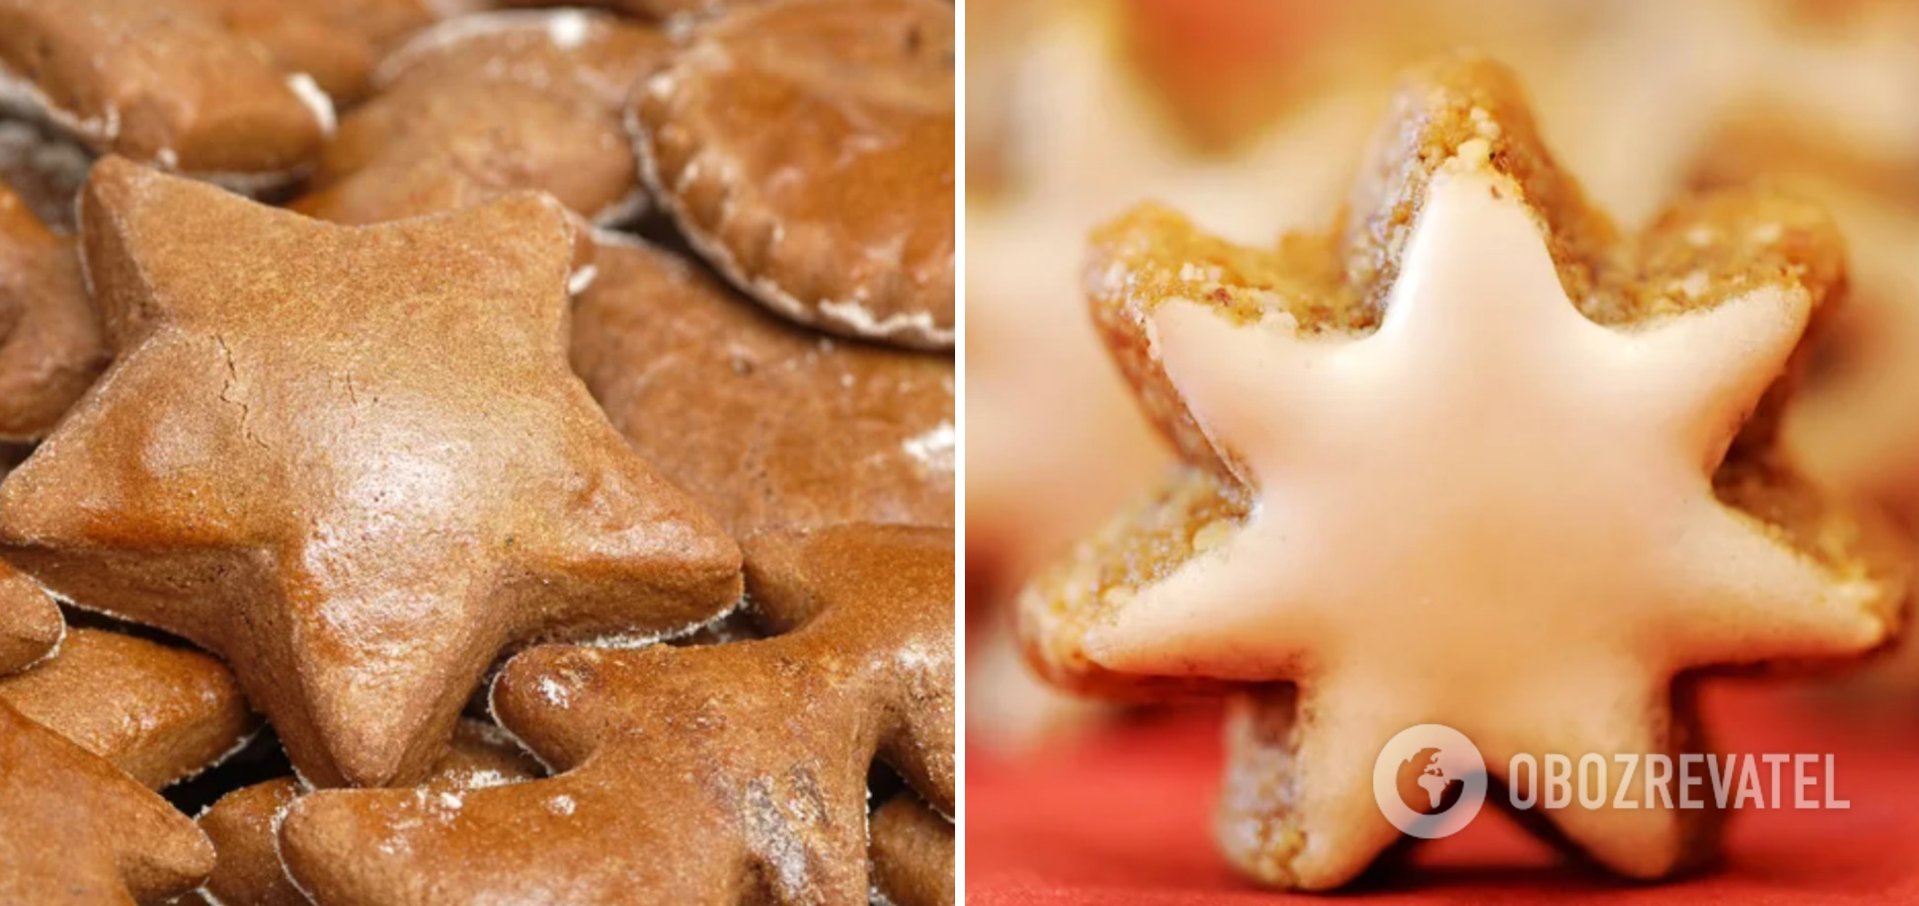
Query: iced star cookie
column 806, row 150
column 722, row 775
column 159, row 713
column 244, row 824
column 489, row 103
column 765, row 423
column 51, row 348
column 163, row 84
column 76, row 831
column 1471, row 459
column 352, row 461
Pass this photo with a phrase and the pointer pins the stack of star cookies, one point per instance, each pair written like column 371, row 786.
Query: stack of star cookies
column 471, row 456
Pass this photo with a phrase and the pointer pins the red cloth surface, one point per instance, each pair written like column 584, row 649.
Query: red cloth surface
column 1121, row 819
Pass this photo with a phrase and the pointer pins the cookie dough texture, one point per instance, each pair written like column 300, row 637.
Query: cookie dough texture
column 806, row 150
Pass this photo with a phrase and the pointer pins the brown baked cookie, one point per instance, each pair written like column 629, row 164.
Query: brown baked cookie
column 1471, row 419
column 51, row 349
column 351, row 460
column 76, row 831
column 720, row 775
column 485, row 104
column 159, row 713
column 336, row 42
column 30, row 624
column 659, row 10
column 765, row 423
column 243, row 825
column 159, row 83
column 806, row 149
column 912, row 850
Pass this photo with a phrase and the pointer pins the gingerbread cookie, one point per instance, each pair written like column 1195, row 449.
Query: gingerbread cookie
column 1472, row 418
column 806, row 149
column 160, row 83
column 244, row 824
column 159, row 713
column 766, row 745
column 484, row 104
column 354, row 457
column 30, row 624
column 50, row 344
column 659, row 10
column 78, row 832
column 912, row 854
column 336, row 42
column 765, row 423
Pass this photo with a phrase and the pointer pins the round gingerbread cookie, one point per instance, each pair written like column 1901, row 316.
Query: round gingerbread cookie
column 806, row 150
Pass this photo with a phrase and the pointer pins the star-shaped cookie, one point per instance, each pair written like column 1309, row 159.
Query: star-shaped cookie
column 159, row 713
column 350, row 460
column 728, row 774
column 50, row 344
column 489, row 103
column 75, row 831
column 1472, row 460
column 244, row 825
column 162, row 83
column 766, row 423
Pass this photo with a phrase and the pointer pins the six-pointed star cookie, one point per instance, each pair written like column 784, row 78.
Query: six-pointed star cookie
column 720, row 775
column 351, row 460
column 1465, row 464
column 75, row 831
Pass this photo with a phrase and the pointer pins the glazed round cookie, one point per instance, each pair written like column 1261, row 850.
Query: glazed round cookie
column 488, row 103
column 765, row 423
column 1472, row 417
column 806, row 150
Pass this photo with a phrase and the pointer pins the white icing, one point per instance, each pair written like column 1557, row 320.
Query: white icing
column 567, row 29
column 582, row 279
column 935, row 448
column 316, row 100
column 1491, row 513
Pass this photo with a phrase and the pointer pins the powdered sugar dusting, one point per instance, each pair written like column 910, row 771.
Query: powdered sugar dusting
column 561, row 805
column 555, row 693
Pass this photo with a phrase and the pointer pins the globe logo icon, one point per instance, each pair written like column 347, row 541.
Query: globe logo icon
column 1430, row 781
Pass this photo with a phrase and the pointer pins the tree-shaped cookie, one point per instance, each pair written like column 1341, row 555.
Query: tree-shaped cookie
column 1473, row 459
column 727, row 774
column 353, row 461
column 75, row 831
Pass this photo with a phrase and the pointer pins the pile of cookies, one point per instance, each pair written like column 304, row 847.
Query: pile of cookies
column 477, row 455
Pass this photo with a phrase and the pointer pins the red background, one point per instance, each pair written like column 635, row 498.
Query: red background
column 1121, row 819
